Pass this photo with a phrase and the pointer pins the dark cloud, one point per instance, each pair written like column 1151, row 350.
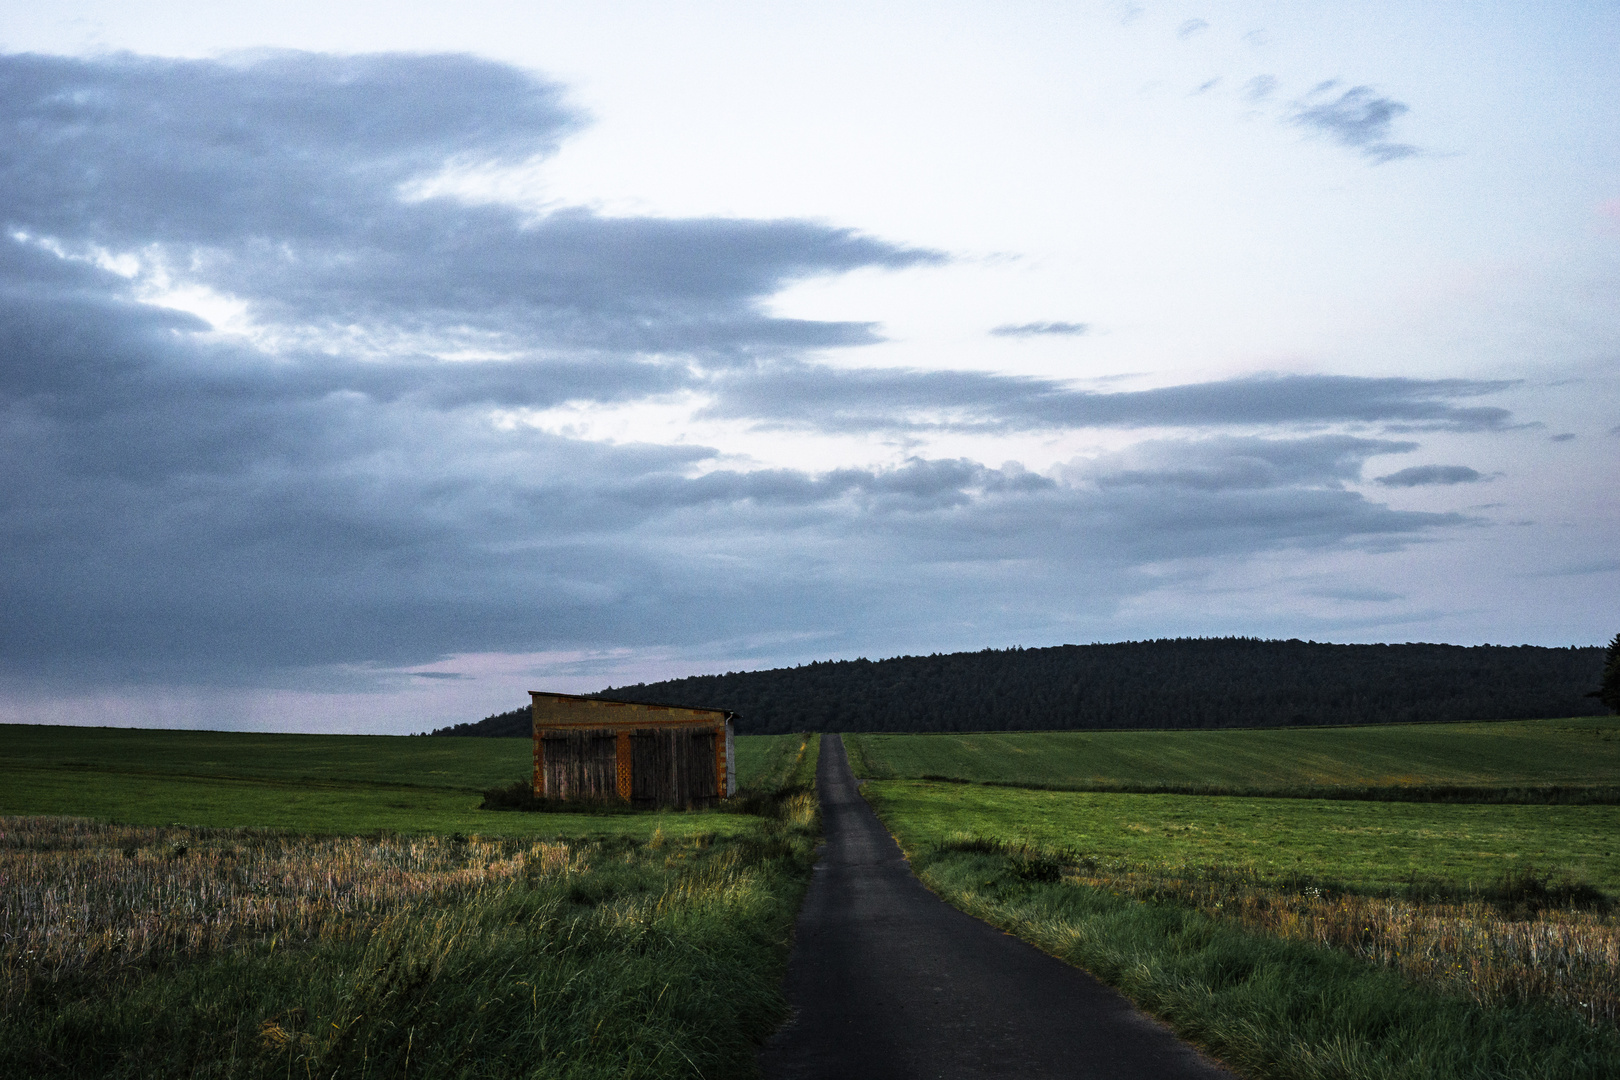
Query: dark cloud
column 1041, row 329
column 1357, row 118
column 278, row 180
column 329, row 498
column 1566, row 436
column 1232, row 463
column 280, row 145
column 1360, row 596
column 889, row 399
column 1421, row 475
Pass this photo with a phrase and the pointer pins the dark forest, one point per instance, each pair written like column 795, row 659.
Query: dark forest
column 1172, row 683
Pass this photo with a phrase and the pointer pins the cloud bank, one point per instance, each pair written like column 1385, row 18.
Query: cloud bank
column 1420, row 475
column 256, row 400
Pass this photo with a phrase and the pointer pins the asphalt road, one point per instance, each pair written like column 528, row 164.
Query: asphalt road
column 888, row 981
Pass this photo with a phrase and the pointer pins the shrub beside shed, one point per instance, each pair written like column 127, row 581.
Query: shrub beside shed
column 590, row 749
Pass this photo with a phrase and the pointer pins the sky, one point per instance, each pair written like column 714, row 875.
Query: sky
column 363, row 367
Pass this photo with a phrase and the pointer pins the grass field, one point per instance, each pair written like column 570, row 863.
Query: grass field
column 1277, row 998
column 318, row 783
column 1574, row 753
column 1297, row 936
column 362, row 937
column 1368, row 846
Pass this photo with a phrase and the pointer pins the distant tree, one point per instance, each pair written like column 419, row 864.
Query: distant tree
column 1609, row 692
column 1170, row 683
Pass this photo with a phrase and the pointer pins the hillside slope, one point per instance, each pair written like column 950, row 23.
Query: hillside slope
column 1172, row 683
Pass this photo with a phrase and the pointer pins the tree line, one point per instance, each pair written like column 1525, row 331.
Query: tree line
column 1167, row 683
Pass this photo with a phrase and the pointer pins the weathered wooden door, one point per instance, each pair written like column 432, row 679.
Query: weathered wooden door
column 672, row 767
column 581, row 765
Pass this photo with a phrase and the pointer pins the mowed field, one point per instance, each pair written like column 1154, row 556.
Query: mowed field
column 1362, row 843
column 1434, row 901
column 1581, row 752
column 311, row 783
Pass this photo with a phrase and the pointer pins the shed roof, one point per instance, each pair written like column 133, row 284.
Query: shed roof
column 713, row 715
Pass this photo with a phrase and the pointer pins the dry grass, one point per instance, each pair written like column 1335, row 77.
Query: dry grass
column 1524, row 941
column 77, row 896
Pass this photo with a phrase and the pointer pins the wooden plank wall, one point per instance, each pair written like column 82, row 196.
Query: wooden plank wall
column 673, row 767
column 581, row 764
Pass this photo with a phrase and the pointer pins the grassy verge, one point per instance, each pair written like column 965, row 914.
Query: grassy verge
column 773, row 762
column 1269, row 1004
column 1575, row 761
column 137, row 952
column 1305, row 939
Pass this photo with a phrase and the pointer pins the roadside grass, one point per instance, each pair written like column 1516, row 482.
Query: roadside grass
column 1571, row 761
column 1269, row 1004
column 1303, row 938
column 773, row 762
column 137, row 951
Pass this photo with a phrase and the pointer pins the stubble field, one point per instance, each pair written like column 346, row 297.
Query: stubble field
column 471, row 943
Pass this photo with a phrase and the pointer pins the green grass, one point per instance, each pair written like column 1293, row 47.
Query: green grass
column 313, row 783
column 621, row 959
column 1128, row 884
column 1527, row 754
column 653, row 946
column 1270, row 1007
column 417, row 761
column 1364, row 845
column 771, row 762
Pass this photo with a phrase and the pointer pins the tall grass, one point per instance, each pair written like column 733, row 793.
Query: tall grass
column 130, row 952
column 77, row 896
column 1295, row 980
column 1530, row 937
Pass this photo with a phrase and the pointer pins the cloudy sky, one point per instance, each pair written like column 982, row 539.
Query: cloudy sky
column 362, row 367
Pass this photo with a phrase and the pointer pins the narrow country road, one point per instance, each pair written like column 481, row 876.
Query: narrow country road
column 889, row 982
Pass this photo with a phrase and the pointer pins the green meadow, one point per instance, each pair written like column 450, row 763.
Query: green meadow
column 1415, row 902
column 1033, row 787
column 313, row 783
column 1361, row 845
column 1572, row 753
column 259, row 906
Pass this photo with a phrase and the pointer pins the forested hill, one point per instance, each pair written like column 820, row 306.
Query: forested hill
column 1181, row 683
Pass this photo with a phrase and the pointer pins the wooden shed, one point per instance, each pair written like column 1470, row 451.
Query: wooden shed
column 647, row 755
